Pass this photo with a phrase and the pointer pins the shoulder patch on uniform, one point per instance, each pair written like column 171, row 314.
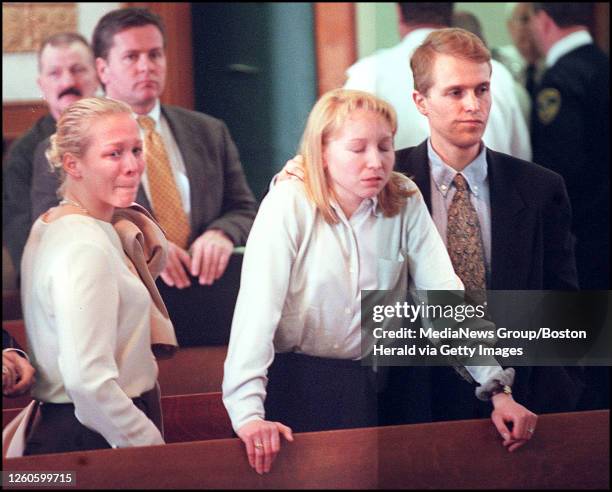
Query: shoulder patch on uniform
column 548, row 103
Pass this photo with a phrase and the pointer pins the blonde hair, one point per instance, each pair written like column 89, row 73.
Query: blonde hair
column 452, row 41
column 72, row 134
column 327, row 116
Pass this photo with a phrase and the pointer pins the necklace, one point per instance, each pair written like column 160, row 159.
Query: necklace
column 74, row 203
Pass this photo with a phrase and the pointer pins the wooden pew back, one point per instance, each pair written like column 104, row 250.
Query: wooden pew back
column 11, row 303
column 187, row 418
column 191, row 370
column 568, row 451
column 16, row 328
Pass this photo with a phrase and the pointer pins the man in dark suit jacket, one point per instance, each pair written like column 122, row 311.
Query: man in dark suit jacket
column 523, row 209
column 66, row 73
column 129, row 46
column 531, row 249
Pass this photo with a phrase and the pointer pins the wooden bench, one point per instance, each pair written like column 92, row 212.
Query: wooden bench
column 187, row 418
column 16, row 328
column 569, row 450
column 193, row 370
column 11, row 305
column 196, row 417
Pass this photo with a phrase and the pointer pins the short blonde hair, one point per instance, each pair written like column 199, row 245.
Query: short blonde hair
column 452, row 41
column 72, row 135
column 327, row 116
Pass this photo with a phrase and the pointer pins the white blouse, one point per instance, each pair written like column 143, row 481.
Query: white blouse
column 87, row 320
column 301, row 284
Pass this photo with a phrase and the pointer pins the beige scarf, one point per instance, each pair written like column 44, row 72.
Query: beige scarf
column 146, row 246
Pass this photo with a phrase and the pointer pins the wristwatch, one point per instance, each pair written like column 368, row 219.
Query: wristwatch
column 502, row 388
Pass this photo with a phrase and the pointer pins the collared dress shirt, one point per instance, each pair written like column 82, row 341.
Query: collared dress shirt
column 174, row 156
column 301, row 283
column 443, row 191
column 387, row 74
column 87, row 319
column 566, row 45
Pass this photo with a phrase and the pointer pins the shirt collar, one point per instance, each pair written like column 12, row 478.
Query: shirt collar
column 565, row 45
column 155, row 114
column 369, row 205
column 475, row 173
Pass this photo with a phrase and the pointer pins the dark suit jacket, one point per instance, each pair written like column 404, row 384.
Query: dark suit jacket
column 531, row 249
column 219, row 193
column 17, row 178
column 570, row 133
column 531, row 242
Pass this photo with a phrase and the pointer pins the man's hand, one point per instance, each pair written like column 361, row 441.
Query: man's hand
column 177, row 266
column 210, row 255
column 294, row 169
column 17, row 374
column 523, row 421
column 262, row 441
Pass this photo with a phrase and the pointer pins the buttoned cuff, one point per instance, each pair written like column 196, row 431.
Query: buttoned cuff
column 19, row 351
column 504, row 377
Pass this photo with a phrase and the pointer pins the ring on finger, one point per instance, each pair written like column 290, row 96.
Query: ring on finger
column 258, row 445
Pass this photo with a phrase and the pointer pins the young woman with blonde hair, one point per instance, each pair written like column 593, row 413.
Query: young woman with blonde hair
column 88, row 314
column 351, row 225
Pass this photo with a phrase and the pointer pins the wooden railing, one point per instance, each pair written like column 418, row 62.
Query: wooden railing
column 568, row 451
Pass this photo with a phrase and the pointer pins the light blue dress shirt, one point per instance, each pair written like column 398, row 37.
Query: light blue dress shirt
column 443, row 191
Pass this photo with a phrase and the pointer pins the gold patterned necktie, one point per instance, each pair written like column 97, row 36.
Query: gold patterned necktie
column 164, row 194
column 464, row 238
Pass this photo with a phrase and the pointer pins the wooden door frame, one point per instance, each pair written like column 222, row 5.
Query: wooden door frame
column 335, row 43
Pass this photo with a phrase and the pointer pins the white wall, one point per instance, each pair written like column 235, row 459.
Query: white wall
column 19, row 70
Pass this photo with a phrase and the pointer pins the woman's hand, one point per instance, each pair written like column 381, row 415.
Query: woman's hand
column 17, row 374
column 262, row 441
column 523, row 421
column 294, row 169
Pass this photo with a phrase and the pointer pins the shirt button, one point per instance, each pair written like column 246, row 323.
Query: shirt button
column 443, row 187
column 347, row 310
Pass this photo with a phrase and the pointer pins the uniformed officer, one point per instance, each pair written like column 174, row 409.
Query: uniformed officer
column 571, row 134
column 571, row 130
